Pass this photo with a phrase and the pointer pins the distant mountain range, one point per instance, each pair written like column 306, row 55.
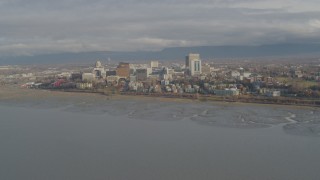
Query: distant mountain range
column 173, row 53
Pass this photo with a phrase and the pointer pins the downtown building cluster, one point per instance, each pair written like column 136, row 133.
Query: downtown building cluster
column 191, row 76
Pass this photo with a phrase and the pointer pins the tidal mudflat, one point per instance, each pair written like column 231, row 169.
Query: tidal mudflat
column 294, row 120
column 55, row 135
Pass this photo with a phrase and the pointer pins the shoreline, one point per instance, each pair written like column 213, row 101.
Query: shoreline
column 18, row 93
column 201, row 98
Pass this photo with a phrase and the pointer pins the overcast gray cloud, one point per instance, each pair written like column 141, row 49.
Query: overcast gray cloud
column 46, row 26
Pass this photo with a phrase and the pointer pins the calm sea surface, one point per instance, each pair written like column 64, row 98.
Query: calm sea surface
column 157, row 141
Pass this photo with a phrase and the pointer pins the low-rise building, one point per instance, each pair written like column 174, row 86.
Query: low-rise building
column 88, row 77
column 273, row 93
column 111, row 79
column 84, row 85
column 226, row 92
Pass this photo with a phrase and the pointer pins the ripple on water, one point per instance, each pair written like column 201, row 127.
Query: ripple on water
column 305, row 129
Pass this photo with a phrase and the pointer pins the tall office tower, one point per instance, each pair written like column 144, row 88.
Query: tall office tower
column 191, row 57
column 193, row 64
column 195, row 67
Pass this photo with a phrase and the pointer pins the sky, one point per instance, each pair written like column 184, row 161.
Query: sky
column 52, row 26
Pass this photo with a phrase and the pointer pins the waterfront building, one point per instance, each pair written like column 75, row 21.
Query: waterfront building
column 112, row 80
column 226, row 92
column 84, row 85
column 273, row 93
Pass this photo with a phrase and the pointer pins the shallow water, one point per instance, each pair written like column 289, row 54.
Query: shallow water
column 134, row 139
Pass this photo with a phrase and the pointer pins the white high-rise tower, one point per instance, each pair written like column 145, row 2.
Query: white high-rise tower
column 193, row 63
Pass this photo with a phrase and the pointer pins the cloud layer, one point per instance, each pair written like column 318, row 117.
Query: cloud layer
column 46, row 26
